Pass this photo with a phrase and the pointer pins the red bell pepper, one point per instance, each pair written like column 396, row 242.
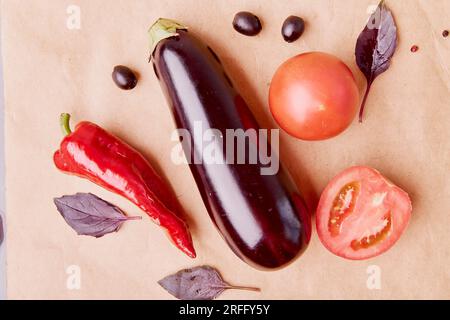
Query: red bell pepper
column 93, row 153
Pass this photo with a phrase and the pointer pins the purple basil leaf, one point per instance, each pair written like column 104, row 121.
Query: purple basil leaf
column 375, row 47
column 200, row 283
column 89, row 215
column 2, row 234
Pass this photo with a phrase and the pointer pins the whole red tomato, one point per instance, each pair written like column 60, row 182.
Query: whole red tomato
column 314, row 96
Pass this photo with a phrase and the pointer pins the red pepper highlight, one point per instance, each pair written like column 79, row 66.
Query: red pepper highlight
column 92, row 153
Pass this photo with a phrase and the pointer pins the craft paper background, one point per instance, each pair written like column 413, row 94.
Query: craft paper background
column 49, row 69
column 2, row 187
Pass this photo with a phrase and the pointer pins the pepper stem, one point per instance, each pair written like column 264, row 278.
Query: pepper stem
column 64, row 122
column 163, row 29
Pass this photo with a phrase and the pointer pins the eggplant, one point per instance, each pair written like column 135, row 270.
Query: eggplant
column 263, row 218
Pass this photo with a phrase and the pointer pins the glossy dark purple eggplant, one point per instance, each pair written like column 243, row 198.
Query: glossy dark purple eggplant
column 262, row 217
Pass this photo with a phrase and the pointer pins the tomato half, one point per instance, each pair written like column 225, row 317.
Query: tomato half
column 361, row 214
column 314, row 96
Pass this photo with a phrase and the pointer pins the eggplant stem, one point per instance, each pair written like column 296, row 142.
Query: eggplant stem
column 163, row 29
column 363, row 105
column 64, row 122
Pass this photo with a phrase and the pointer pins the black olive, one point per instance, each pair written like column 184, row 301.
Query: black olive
column 124, row 77
column 247, row 23
column 293, row 28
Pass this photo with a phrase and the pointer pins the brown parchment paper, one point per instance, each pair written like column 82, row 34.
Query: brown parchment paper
column 49, row 69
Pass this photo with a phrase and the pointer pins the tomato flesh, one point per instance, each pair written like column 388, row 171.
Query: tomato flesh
column 361, row 214
column 374, row 239
column 343, row 205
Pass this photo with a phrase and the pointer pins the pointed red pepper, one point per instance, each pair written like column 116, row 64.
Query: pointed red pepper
column 92, row 153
